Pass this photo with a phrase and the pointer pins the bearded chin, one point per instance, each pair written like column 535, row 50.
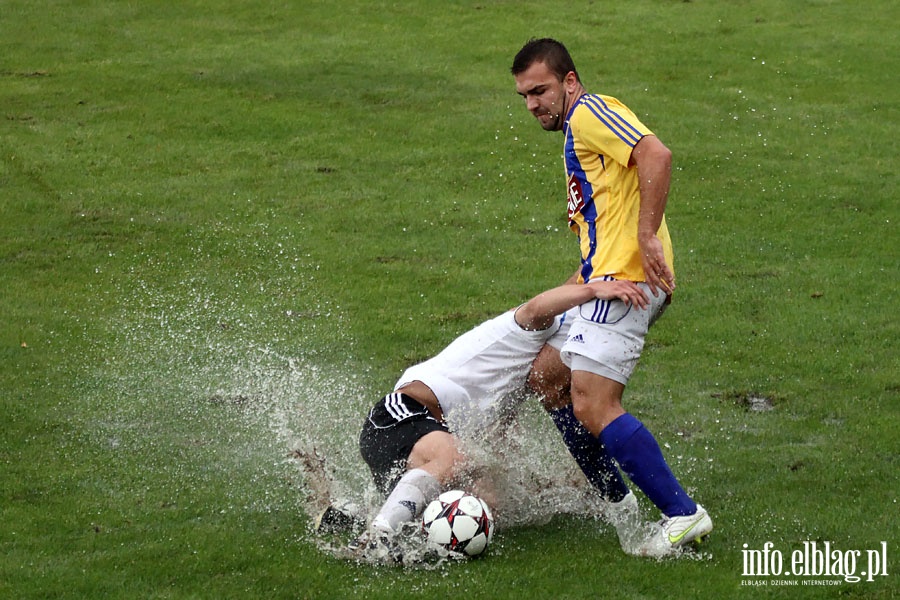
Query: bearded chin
column 552, row 125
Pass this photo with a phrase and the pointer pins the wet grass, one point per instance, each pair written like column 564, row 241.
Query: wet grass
column 225, row 230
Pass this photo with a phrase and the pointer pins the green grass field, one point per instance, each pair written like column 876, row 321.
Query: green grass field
column 225, row 229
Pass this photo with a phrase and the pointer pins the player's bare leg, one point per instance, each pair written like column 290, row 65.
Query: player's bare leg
column 432, row 463
column 597, row 400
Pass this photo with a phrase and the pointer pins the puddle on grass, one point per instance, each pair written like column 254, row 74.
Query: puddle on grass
column 759, row 403
column 751, row 401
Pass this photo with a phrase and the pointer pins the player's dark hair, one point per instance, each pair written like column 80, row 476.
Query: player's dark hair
column 548, row 51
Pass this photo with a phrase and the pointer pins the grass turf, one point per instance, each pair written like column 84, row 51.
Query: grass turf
column 195, row 196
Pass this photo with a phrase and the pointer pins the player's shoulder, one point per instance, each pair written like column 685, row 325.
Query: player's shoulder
column 594, row 105
column 606, row 116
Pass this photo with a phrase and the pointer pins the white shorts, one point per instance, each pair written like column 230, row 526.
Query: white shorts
column 607, row 336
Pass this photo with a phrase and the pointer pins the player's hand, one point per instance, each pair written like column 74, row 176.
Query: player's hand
column 656, row 270
column 626, row 291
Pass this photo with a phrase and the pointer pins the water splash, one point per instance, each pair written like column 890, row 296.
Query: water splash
column 205, row 387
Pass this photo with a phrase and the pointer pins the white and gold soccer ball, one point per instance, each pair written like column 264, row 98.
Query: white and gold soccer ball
column 460, row 522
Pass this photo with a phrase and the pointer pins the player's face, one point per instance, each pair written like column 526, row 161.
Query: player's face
column 545, row 95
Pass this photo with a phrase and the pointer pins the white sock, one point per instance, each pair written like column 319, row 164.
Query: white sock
column 407, row 500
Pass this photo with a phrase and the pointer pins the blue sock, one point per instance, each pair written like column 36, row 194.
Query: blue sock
column 590, row 455
column 635, row 449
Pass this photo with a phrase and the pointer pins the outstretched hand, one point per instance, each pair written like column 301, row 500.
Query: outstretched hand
column 626, row 291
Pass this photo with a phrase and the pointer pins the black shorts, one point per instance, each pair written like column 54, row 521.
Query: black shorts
column 393, row 427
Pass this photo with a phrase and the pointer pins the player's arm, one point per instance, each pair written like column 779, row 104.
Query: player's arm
column 539, row 312
column 654, row 165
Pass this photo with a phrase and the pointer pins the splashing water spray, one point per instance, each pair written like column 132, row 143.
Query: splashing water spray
column 183, row 366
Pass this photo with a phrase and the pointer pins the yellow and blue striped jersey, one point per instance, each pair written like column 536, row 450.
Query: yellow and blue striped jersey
column 603, row 190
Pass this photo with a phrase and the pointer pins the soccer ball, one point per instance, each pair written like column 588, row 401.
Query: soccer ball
column 459, row 522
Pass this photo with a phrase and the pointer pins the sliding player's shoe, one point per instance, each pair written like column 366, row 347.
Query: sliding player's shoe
column 376, row 546
column 335, row 520
column 674, row 532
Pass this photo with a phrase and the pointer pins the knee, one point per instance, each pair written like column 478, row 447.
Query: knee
column 581, row 407
column 438, row 454
column 549, row 378
column 581, row 396
column 596, row 402
column 447, row 467
column 553, row 392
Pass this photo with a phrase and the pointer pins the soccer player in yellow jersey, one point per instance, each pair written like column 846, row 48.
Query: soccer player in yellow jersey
column 617, row 180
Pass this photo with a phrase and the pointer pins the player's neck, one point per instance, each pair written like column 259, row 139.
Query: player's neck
column 573, row 98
